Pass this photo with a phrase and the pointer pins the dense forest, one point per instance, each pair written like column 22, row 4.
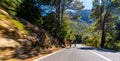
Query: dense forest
column 36, row 25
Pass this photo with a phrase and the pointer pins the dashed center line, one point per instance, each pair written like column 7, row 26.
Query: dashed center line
column 101, row 56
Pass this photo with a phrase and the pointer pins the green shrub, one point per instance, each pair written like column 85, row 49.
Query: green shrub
column 92, row 39
column 17, row 24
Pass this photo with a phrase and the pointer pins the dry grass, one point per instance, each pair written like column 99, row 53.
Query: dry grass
column 14, row 60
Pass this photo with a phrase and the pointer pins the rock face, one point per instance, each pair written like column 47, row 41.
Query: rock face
column 6, row 43
column 8, row 36
column 21, row 39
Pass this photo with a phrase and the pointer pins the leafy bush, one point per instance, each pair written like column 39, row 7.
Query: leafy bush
column 92, row 39
column 11, row 6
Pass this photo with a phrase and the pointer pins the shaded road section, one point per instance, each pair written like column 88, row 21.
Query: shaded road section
column 84, row 53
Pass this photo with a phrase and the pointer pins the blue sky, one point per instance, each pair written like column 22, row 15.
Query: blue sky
column 87, row 4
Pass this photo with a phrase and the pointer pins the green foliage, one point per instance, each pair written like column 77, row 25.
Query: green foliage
column 117, row 45
column 92, row 39
column 67, row 30
column 17, row 24
column 56, row 23
column 29, row 10
column 116, row 2
column 106, row 24
column 11, row 6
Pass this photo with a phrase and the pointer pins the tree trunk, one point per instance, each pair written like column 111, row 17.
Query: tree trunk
column 102, row 20
column 62, row 10
column 103, row 29
column 103, row 34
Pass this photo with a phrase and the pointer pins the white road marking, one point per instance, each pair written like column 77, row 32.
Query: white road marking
column 48, row 55
column 101, row 56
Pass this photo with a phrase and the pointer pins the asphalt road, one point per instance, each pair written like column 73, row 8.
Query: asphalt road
column 83, row 53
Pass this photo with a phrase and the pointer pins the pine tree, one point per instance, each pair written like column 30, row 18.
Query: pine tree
column 101, row 12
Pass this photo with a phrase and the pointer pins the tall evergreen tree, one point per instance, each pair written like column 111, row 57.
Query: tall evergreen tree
column 102, row 12
column 29, row 11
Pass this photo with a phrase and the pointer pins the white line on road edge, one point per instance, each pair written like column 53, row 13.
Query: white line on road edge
column 101, row 56
column 48, row 55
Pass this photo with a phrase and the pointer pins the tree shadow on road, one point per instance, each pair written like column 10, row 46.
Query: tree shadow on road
column 86, row 48
column 97, row 49
column 106, row 50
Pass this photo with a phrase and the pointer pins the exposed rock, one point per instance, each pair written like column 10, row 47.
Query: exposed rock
column 9, row 43
column 4, row 12
column 15, row 43
column 6, row 53
column 20, row 33
column 33, row 38
column 3, row 25
column 46, row 51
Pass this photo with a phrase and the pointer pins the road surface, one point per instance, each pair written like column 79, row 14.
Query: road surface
column 83, row 53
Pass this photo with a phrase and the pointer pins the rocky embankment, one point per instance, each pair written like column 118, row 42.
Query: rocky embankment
column 21, row 39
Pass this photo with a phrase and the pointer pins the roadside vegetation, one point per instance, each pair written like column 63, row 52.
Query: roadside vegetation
column 31, row 27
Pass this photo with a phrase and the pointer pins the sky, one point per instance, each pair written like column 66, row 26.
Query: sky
column 87, row 4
